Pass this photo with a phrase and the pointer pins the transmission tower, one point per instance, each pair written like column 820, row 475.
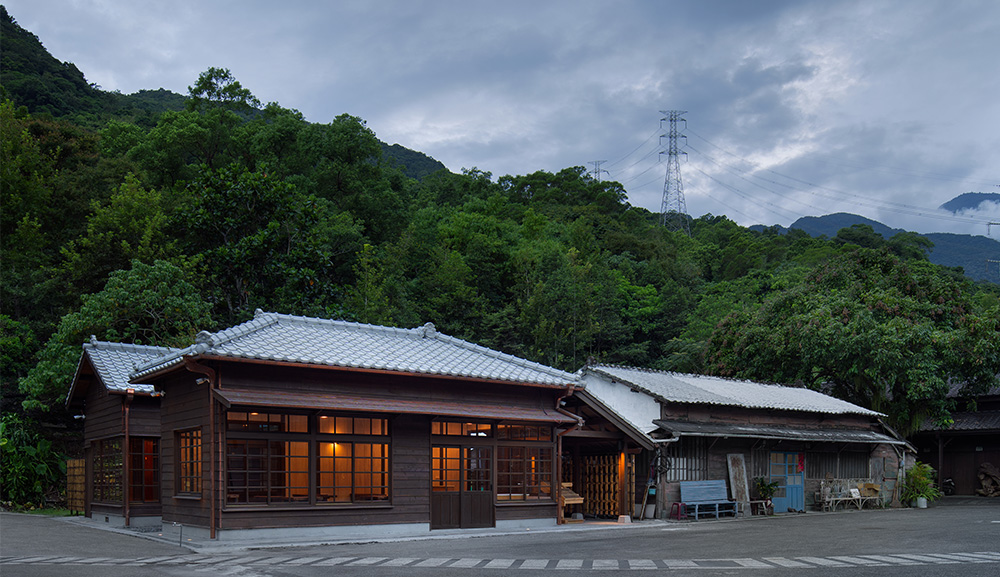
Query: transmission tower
column 596, row 173
column 673, row 210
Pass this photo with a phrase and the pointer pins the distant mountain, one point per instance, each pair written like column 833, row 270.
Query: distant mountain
column 33, row 78
column 970, row 200
column 952, row 250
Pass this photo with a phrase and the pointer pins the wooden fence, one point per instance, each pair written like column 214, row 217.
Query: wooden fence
column 76, row 484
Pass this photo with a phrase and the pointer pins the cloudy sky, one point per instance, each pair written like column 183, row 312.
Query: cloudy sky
column 881, row 108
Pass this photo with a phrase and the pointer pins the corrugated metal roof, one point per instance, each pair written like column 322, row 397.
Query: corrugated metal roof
column 283, row 399
column 113, row 362
column 686, row 388
column 423, row 350
column 968, row 422
column 688, row 429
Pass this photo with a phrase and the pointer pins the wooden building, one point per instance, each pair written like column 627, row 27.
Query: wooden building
column 973, row 438
column 683, row 427
column 308, row 428
column 121, row 433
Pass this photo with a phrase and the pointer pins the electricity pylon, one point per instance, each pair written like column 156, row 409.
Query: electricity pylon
column 673, row 210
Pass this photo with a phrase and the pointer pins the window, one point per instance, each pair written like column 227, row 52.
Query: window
column 107, row 470
column 189, row 462
column 352, row 472
column 329, row 424
column 524, row 432
column 286, row 458
column 688, row 460
column 267, row 422
column 263, row 472
column 462, row 429
column 843, row 465
column 144, row 470
column 524, row 473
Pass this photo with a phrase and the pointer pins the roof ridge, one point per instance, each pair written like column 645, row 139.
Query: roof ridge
column 95, row 344
column 499, row 355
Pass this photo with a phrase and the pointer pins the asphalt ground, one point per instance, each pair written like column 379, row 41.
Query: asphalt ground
column 958, row 536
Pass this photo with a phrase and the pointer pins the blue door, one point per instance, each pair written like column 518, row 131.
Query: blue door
column 788, row 469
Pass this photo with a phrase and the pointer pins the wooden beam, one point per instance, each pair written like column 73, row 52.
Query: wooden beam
column 614, row 435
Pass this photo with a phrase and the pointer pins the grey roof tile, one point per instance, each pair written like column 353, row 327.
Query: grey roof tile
column 288, row 338
column 688, row 388
column 113, row 362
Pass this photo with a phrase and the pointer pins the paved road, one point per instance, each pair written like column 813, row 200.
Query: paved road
column 957, row 539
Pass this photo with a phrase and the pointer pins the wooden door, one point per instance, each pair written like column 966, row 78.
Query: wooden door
column 789, row 473
column 461, row 487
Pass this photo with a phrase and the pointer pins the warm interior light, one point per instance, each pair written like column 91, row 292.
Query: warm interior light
column 255, row 414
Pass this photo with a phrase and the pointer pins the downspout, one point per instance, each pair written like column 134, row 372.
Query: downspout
column 127, row 460
column 195, row 367
column 560, row 518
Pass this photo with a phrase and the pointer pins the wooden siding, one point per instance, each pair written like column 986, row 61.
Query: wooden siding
column 184, row 406
column 703, row 413
column 105, row 419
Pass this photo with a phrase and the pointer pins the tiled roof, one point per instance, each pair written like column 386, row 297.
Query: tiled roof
column 113, row 362
column 686, row 388
column 423, row 350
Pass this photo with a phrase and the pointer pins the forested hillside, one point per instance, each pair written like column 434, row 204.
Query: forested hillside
column 148, row 233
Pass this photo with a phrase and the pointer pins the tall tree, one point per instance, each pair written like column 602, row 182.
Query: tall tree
column 886, row 334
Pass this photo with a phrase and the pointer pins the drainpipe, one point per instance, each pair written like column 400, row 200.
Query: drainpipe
column 195, row 367
column 560, row 519
column 127, row 460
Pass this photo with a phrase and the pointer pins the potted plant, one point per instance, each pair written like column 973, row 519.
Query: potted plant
column 765, row 490
column 918, row 486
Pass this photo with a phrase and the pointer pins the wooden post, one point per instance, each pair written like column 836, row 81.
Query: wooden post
column 623, row 509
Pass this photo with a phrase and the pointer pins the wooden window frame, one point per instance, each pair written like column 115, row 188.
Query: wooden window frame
column 286, row 427
column 189, row 462
column 144, row 470
column 108, row 470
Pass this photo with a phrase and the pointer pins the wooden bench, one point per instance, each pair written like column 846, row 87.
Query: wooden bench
column 704, row 498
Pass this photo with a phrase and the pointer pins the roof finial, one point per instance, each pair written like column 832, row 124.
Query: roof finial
column 258, row 313
column 429, row 330
column 93, row 339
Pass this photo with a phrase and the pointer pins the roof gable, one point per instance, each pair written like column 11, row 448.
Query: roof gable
column 322, row 342
column 701, row 389
column 114, row 362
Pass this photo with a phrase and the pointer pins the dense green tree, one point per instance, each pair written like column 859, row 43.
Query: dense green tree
column 151, row 304
column 887, row 334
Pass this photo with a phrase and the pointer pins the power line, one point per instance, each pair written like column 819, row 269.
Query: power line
column 859, row 200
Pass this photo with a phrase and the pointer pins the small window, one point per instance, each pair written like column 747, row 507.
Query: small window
column 336, row 425
column 189, row 462
column 462, row 429
column 524, row 432
column 257, row 422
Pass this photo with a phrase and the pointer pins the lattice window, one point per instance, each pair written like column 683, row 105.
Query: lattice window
column 189, row 462
column 144, row 470
column 107, row 470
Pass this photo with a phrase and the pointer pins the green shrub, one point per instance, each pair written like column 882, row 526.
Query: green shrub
column 31, row 467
